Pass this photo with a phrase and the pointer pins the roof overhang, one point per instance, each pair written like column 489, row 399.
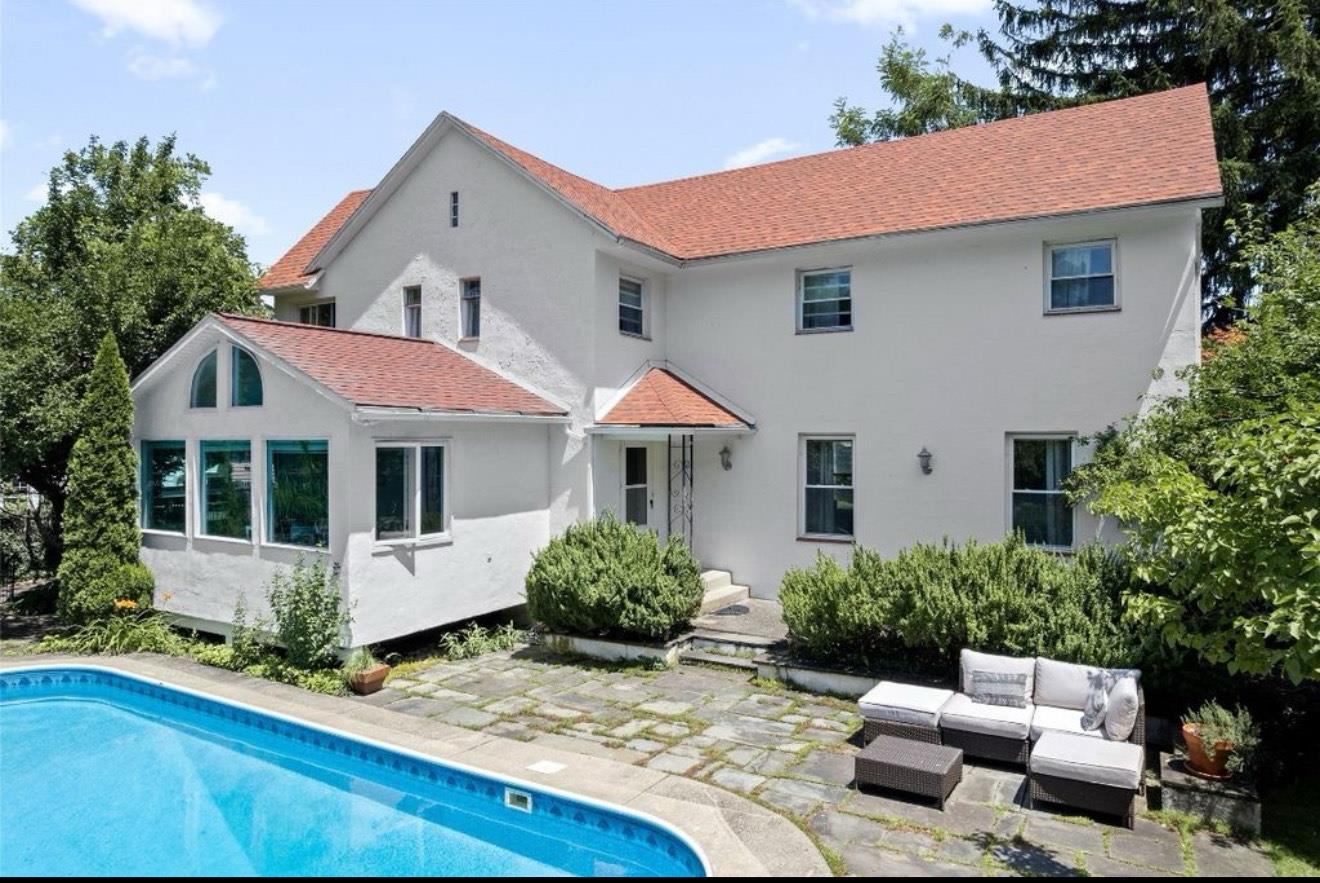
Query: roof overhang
column 369, row 415
column 661, row 433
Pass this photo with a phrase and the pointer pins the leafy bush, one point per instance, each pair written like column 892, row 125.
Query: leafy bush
column 309, row 614
column 248, row 642
column 604, row 577
column 129, row 631
column 359, row 661
column 478, row 641
column 1218, row 724
column 925, row 604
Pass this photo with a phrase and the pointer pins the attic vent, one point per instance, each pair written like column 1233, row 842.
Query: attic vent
column 453, row 209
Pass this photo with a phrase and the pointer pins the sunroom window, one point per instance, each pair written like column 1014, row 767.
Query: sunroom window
column 410, row 491
column 825, row 300
column 1082, row 276
column 164, row 486
column 1040, row 508
column 827, row 495
column 203, row 383
column 245, row 379
column 226, row 468
column 298, row 492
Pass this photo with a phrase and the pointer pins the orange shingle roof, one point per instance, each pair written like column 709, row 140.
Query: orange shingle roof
column 659, row 398
column 1133, row 151
column 394, row 372
column 290, row 269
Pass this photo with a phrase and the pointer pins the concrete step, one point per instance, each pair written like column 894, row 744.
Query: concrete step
column 715, row 579
column 722, row 596
column 724, row 660
column 730, row 643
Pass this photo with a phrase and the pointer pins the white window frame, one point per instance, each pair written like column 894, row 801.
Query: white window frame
column 800, row 297
column 644, row 291
column 319, row 305
column 410, row 309
column 1050, row 247
column 803, row 533
column 418, row 538
column 463, row 300
column 1010, row 455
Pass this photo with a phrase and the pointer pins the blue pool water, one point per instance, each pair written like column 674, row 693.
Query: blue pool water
column 102, row 773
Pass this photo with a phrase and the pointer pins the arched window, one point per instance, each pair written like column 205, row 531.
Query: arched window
column 245, row 379
column 203, row 383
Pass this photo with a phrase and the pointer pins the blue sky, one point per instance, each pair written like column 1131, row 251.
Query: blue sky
column 295, row 102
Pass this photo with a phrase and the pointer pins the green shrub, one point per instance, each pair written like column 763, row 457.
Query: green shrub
column 604, row 577
column 1237, row 728
column 309, row 614
column 478, row 641
column 919, row 608
column 248, row 642
column 101, row 538
column 128, row 631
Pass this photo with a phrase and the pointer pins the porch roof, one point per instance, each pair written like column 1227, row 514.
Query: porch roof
column 659, row 398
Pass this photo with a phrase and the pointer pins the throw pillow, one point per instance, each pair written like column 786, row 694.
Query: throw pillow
column 999, row 688
column 1099, row 684
column 1121, row 716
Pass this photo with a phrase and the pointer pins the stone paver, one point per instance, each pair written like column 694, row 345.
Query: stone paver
column 794, row 752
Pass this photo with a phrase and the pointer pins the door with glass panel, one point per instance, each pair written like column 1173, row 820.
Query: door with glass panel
column 637, row 485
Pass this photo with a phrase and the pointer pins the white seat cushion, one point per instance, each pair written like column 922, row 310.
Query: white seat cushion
column 1050, row 718
column 961, row 713
column 971, row 661
column 1066, row 685
column 1082, row 759
column 904, row 703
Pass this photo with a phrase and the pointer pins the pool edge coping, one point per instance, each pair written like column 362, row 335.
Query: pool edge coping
column 471, row 750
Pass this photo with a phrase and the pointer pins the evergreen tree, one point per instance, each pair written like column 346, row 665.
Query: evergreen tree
column 101, row 538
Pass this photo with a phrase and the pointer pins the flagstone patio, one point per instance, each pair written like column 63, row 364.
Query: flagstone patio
column 793, row 752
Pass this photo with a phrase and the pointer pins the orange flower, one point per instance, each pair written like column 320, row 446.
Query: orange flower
column 126, row 604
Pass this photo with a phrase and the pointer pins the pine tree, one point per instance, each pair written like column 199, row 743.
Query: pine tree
column 101, row 538
column 1260, row 60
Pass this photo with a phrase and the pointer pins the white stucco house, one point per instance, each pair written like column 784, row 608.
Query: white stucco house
column 882, row 345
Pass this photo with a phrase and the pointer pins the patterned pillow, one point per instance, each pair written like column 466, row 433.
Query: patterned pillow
column 1000, row 688
column 1097, row 700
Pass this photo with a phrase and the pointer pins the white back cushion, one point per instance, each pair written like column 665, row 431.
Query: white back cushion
column 1067, row 685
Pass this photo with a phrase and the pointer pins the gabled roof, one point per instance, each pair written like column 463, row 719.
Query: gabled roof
column 660, row 398
column 377, row 370
column 291, row 269
column 1151, row 149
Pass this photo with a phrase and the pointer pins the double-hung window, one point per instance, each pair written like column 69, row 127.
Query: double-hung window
column 1081, row 277
column 412, row 311
column 226, row 489
column 824, row 300
column 322, row 314
column 410, row 490
column 298, row 492
column 632, row 307
column 827, row 492
column 164, row 486
column 1039, row 507
column 471, row 307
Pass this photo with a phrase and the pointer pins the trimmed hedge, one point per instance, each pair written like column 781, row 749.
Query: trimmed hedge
column 921, row 607
column 607, row 578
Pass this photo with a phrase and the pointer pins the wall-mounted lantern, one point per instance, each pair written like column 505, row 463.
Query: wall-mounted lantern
column 726, row 458
column 924, row 458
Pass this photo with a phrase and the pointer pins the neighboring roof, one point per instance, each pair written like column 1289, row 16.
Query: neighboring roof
column 659, row 398
column 379, row 370
column 290, row 269
column 1150, row 149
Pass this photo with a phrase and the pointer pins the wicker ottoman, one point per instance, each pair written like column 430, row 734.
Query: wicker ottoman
column 919, row 768
column 907, row 711
column 1088, row 773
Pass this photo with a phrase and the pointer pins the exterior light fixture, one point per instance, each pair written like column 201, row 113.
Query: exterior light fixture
column 925, row 457
column 726, row 458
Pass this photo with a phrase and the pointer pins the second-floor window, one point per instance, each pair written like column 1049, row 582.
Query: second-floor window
column 453, row 209
column 471, row 307
column 412, row 311
column 1081, row 277
column 322, row 314
column 824, row 300
column 632, row 307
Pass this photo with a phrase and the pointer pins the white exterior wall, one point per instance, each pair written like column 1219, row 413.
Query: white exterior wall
column 951, row 351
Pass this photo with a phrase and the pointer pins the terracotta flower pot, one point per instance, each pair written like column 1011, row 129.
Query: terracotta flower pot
column 1208, row 763
column 367, row 682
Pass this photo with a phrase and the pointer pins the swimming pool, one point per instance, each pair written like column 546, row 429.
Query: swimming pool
column 105, row 773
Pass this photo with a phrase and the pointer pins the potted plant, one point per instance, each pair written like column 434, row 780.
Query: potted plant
column 363, row 672
column 1220, row 743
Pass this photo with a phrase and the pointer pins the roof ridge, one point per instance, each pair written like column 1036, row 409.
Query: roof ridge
column 302, row 326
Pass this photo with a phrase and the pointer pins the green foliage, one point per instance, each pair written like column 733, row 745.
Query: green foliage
column 604, row 577
column 121, row 246
column 308, row 608
column 922, row 606
column 1217, row 724
column 248, row 641
column 100, row 529
column 359, row 661
column 478, row 641
column 1220, row 489
column 131, row 631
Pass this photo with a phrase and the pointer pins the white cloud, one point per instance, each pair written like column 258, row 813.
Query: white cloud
column 5, row 132
column 760, row 152
column 160, row 67
column 887, row 12
column 234, row 213
column 177, row 22
column 37, row 193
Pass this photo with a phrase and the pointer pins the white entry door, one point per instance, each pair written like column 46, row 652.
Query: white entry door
column 638, row 500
